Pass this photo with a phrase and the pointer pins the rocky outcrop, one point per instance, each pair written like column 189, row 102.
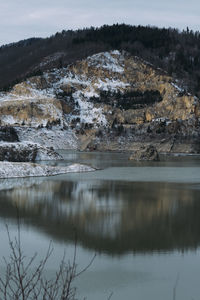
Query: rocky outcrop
column 145, row 153
column 31, row 112
column 26, row 152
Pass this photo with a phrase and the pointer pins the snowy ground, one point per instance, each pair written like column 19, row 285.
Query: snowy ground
column 56, row 138
column 13, row 169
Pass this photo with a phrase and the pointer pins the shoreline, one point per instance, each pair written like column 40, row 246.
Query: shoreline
column 27, row 169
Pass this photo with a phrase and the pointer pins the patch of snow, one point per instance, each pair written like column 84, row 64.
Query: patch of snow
column 8, row 119
column 115, row 52
column 112, row 61
column 88, row 112
column 56, row 138
column 33, row 93
column 13, row 169
column 111, row 85
column 73, row 78
column 162, row 119
column 90, row 93
column 177, row 87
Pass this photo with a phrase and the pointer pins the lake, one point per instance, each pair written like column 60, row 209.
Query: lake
column 142, row 219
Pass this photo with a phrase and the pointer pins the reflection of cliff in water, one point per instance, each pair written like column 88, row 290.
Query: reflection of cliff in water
column 113, row 217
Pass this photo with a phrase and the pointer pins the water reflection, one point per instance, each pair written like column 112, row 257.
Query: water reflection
column 113, row 217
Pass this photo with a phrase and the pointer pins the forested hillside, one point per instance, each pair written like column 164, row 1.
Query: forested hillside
column 176, row 52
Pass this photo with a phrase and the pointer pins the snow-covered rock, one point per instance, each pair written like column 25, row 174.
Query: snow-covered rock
column 96, row 101
column 15, row 169
column 26, row 152
column 56, row 138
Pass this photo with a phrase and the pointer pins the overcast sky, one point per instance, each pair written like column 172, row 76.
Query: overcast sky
column 20, row 19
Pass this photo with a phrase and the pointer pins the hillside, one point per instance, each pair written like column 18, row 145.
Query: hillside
column 176, row 52
column 109, row 101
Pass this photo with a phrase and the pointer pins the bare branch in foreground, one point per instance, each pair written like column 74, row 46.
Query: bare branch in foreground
column 23, row 281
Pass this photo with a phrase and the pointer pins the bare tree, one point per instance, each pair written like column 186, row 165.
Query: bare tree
column 21, row 283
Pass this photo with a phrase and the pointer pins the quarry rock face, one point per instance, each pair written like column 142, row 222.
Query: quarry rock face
column 31, row 112
column 109, row 101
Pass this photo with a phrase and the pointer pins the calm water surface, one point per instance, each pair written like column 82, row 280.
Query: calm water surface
column 141, row 219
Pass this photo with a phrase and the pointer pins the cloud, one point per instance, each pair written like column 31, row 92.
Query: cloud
column 21, row 19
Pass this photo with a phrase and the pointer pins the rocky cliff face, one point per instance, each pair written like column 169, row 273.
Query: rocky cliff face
column 31, row 112
column 110, row 101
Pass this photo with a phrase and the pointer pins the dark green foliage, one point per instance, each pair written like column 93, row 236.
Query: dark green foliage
column 129, row 100
column 8, row 134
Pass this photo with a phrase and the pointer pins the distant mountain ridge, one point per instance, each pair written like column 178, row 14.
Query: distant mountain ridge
column 178, row 53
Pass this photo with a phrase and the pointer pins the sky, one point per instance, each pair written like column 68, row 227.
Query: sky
column 21, row 19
